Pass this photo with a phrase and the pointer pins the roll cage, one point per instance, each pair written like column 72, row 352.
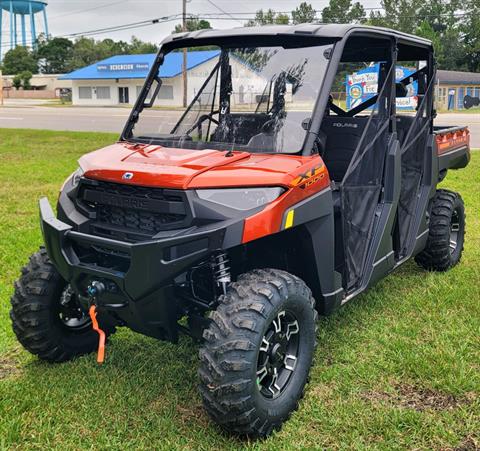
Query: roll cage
column 342, row 37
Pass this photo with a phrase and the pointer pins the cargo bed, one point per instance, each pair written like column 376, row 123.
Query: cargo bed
column 453, row 147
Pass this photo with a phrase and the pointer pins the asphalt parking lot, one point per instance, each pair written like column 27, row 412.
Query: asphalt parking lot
column 18, row 115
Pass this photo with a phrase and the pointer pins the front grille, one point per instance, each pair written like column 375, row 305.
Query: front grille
column 132, row 213
column 133, row 219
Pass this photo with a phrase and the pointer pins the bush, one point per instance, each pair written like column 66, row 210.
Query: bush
column 17, row 82
column 26, row 76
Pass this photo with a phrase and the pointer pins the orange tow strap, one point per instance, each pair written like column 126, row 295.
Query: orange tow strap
column 101, row 342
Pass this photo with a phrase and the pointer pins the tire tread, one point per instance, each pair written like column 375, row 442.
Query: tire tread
column 436, row 256
column 31, row 312
column 226, row 356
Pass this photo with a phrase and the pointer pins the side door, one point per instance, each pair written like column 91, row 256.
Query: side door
column 358, row 137
column 415, row 134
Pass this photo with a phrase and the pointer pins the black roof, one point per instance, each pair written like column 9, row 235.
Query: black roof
column 329, row 31
column 455, row 77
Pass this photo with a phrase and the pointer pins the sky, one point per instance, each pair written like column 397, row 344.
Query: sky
column 72, row 16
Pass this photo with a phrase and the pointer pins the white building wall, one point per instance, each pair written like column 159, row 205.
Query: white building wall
column 134, row 86
column 95, row 99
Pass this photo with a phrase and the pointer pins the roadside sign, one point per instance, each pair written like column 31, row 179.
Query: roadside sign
column 363, row 84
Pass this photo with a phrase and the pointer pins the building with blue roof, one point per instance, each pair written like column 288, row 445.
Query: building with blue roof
column 119, row 79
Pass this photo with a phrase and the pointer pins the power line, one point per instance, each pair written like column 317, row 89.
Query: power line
column 129, row 26
column 223, row 11
column 88, row 9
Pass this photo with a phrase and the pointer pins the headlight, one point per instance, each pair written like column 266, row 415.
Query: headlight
column 74, row 177
column 240, row 198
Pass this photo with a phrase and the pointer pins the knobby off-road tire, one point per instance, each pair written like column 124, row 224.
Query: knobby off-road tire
column 447, row 233
column 237, row 369
column 37, row 314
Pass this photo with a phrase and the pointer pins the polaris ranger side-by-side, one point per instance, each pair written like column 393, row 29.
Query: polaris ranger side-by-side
column 266, row 202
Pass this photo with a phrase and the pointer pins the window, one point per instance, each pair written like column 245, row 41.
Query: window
column 103, row 92
column 84, row 92
column 166, row 92
column 442, row 98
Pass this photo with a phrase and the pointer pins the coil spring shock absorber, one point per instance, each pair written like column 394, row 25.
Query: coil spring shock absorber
column 221, row 271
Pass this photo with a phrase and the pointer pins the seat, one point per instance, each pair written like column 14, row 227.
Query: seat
column 239, row 127
column 342, row 137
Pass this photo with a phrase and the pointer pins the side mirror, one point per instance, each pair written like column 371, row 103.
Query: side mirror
column 306, row 123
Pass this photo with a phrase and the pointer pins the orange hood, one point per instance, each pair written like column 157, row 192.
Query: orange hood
column 157, row 166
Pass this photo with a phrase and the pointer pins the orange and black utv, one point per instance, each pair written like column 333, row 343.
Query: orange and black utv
column 270, row 200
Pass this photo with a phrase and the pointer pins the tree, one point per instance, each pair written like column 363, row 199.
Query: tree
column 440, row 14
column 26, row 77
column 470, row 29
column 425, row 30
column 269, row 17
column 453, row 50
column 400, row 15
column 55, row 55
column 437, row 20
column 108, row 47
column 304, row 13
column 343, row 11
column 138, row 47
column 408, row 15
column 194, row 24
column 18, row 60
column 17, row 82
column 84, row 53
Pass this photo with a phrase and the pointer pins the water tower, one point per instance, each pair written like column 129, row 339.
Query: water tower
column 21, row 15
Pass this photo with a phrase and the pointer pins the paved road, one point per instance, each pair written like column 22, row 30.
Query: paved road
column 75, row 118
column 113, row 119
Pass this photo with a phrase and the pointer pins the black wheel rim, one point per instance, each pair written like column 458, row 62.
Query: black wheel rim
column 71, row 314
column 454, row 231
column 278, row 355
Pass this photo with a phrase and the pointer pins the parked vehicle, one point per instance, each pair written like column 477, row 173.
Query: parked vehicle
column 252, row 214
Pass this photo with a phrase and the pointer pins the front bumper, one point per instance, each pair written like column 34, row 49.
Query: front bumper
column 145, row 287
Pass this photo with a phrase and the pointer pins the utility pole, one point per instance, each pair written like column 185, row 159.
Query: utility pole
column 184, row 68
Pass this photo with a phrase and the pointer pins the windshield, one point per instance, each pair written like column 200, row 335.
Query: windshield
column 256, row 99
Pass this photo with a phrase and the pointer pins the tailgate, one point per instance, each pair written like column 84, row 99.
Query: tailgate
column 453, row 147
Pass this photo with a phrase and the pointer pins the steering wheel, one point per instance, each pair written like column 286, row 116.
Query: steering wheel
column 200, row 121
column 267, row 125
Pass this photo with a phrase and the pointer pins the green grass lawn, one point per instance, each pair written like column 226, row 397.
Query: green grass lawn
column 474, row 110
column 397, row 368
